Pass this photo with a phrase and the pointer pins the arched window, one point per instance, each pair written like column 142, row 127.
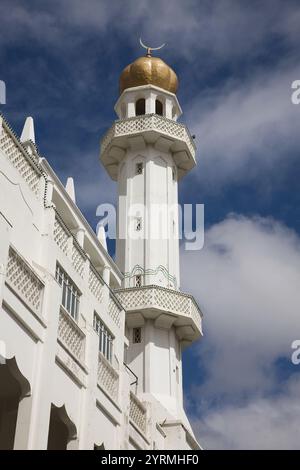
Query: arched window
column 140, row 107
column 159, row 108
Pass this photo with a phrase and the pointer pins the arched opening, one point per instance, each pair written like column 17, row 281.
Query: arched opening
column 13, row 388
column 159, row 109
column 140, row 107
column 61, row 429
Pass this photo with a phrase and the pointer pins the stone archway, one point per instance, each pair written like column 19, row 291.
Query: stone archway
column 13, row 388
column 62, row 430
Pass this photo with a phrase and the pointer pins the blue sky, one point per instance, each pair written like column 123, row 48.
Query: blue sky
column 61, row 61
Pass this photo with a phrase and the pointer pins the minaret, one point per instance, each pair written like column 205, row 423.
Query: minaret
column 147, row 152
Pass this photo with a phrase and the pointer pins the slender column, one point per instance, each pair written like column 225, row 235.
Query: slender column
column 131, row 109
column 168, row 108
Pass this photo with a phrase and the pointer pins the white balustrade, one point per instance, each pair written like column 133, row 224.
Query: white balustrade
column 21, row 278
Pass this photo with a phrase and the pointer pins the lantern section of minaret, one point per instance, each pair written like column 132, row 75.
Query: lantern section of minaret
column 148, row 152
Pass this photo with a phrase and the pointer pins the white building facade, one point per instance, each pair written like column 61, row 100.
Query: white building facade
column 90, row 349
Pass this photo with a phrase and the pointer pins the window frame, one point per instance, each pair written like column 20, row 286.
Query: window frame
column 138, row 224
column 159, row 107
column 106, row 338
column 138, row 280
column 70, row 294
column 139, row 168
column 137, row 335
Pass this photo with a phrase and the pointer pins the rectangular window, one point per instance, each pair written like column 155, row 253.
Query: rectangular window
column 139, row 169
column 70, row 293
column 136, row 335
column 105, row 338
column 138, row 280
column 138, row 224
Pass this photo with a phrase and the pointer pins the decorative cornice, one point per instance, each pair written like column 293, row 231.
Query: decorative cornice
column 148, row 128
column 154, row 301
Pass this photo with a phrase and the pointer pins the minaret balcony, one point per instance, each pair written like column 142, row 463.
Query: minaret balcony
column 164, row 134
column 166, row 307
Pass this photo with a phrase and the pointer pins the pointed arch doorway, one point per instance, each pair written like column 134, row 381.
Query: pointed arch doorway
column 14, row 387
column 62, row 430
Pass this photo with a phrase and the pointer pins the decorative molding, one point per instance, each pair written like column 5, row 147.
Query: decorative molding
column 137, row 269
column 153, row 297
column 24, row 163
column 136, row 132
column 146, row 122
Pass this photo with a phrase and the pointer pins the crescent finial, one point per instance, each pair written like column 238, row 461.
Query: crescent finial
column 149, row 49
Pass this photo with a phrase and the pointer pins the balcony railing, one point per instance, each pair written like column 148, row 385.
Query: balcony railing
column 138, row 413
column 114, row 310
column 156, row 297
column 71, row 336
column 149, row 122
column 78, row 258
column 61, row 236
column 96, row 283
column 108, row 377
column 22, row 280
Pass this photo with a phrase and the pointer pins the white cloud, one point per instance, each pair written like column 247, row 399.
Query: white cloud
column 248, row 127
column 243, row 128
column 213, row 28
column 247, row 280
column 264, row 423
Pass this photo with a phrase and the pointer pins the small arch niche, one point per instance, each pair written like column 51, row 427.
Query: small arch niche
column 140, row 107
column 159, row 108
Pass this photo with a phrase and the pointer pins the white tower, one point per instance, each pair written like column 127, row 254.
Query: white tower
column 147, row 151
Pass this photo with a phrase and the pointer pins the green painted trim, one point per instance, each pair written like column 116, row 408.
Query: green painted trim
column 151, row 272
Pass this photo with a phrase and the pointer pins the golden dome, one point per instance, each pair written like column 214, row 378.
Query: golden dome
column 149, row 71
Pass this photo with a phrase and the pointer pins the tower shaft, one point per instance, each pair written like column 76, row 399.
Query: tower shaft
column 147, row 152
column 147, row 246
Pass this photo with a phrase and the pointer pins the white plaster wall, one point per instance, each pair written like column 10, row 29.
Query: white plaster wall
column 105, row 430
column 18, row 343
column 157, row 245
column 136, row 359
column 28, row 226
